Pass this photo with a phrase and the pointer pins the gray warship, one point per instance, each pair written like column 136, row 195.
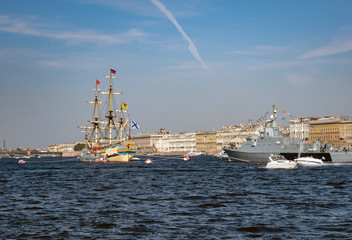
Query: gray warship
column 257, row 149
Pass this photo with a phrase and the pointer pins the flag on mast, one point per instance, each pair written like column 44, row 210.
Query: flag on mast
column 124, row 105
column 97, row 82
column 113, row 71
column 135, row 125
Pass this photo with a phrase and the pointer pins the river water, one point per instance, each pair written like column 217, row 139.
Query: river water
column 205, row 198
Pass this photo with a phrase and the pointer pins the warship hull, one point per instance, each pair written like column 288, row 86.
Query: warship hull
column 262, row 157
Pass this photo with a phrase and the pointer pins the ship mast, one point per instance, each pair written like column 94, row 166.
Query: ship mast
column 122, row 123
column 274, row 124
column 274, row 128
column 110, row 116
column 95, row 128
column 95, row 122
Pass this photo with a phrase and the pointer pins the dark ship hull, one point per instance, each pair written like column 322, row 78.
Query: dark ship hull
column 262, row 157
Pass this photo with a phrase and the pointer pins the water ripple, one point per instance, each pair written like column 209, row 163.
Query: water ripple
column 205, row 198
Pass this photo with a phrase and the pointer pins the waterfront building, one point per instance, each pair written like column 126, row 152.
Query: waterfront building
column 147, row 142
column 206, row 142
column 333, row 130
column 165, row 142
column 179, row 143
column 66, row 147
column 62, row 147
column 234, row 135
column 325, row 130
column 346, row 131
column 143, row 143
column 52, row 147
column 299, row 128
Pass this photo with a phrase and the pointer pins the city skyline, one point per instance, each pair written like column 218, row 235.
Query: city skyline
column 183, row 65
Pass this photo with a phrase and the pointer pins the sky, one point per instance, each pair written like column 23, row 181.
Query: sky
column 183, row 65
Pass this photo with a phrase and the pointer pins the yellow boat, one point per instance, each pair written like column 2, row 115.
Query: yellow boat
column 120, row 152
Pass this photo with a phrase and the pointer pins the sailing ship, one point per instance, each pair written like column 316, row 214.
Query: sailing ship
column 108, row 138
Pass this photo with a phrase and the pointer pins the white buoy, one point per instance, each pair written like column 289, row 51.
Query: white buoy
column 186, row 158
column 148, row 161
column 21, row 161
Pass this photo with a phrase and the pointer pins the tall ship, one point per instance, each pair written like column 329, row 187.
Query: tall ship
column 108, row 136
column 257, row 149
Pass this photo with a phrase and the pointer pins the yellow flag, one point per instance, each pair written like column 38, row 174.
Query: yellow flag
column 124, row 105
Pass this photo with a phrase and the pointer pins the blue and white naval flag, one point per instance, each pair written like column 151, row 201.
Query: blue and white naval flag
column 135, row 125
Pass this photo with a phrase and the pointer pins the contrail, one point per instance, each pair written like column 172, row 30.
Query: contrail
column 192, row 48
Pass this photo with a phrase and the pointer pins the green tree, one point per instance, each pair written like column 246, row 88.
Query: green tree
column 79, row 146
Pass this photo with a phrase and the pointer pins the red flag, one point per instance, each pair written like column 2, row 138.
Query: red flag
column 97, row 82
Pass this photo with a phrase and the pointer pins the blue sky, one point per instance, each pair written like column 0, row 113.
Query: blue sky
column 183, row 65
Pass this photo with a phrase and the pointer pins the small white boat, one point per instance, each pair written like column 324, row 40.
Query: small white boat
column 279, row 161
column 309, row 161
column 222, row 155
column 194, row 154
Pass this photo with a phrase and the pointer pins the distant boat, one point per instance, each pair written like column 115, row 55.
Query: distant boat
column 154, row 154
column 222, row 155
column 309, row 161
column 279, row 161
column 108, row 139
column 194, row 154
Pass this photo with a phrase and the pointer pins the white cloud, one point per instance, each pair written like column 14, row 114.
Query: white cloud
column 183, row 8
column 136, row 7
column 333, row 48
column 341, row 44
column 16, row 26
